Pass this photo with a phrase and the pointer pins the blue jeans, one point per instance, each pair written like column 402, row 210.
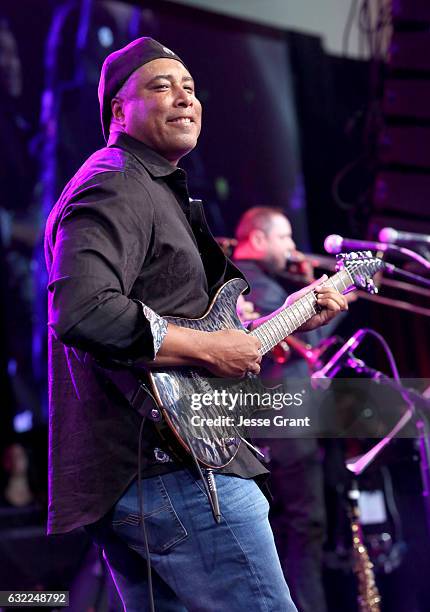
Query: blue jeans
column 197, row 565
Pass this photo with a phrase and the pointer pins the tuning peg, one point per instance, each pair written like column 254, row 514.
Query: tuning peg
column 361, row 281
column 340, row 261
column 371, row 287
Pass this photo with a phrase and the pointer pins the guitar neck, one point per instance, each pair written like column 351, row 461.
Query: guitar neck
column 290, row 318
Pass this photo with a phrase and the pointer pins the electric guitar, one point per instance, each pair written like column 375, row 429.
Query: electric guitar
column 215, row 441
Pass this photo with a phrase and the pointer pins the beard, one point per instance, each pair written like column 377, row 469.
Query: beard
column 273, row 264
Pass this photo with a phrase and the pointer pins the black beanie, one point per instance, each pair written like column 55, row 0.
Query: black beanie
column 119, row 65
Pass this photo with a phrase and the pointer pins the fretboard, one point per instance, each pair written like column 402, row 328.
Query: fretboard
column 290, row 318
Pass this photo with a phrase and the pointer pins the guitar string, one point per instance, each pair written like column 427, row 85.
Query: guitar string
column 270, row 327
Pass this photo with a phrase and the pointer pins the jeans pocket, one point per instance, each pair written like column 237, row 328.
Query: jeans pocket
column 163, row 526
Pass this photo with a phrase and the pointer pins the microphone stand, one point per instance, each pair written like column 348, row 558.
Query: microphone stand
column 409, row 253
column 418, row 405
column 406, row 274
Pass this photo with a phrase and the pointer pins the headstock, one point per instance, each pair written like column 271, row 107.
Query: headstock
column 361, row 267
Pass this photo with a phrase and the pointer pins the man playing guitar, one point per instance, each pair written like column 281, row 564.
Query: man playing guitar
column 125, row 248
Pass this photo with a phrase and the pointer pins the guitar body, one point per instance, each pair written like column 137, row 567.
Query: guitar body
column 173, row 388
column 179, row 391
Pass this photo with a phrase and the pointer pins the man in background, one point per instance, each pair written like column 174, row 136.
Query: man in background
column 264, row 245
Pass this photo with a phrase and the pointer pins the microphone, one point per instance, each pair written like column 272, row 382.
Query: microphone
column 321, row 379
column 335, row 244
column 389, row 234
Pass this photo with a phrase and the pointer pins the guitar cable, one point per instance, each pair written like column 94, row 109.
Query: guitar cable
column 209, row 484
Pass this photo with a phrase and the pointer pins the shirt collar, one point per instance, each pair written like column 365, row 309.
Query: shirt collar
column 156, row 165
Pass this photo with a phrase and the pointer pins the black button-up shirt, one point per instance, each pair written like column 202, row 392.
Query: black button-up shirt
column 122, row 243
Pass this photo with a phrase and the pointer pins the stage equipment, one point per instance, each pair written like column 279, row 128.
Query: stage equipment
column 389, row 235
column 368, row 594
column 418, row 409
column 343, row 357
column 402, row 182
column 313, row 356
column 335, row 244
column 324, row 262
